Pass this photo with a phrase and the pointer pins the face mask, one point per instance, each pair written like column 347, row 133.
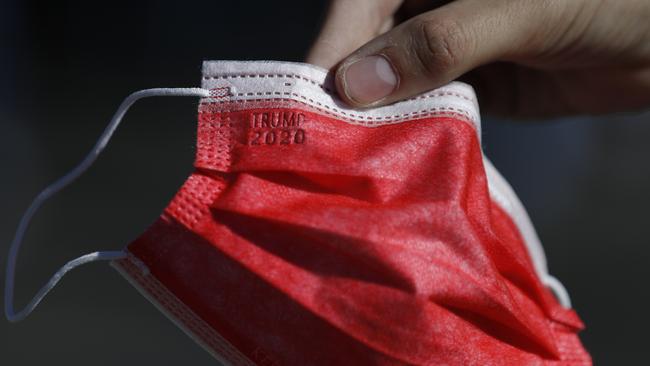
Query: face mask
column 314, row 234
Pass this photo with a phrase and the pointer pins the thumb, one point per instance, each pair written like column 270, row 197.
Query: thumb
column 436, row 47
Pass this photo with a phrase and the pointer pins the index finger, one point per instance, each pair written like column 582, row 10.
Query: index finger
column 348, row 25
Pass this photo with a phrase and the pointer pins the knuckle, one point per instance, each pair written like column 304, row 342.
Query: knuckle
column 441, row 45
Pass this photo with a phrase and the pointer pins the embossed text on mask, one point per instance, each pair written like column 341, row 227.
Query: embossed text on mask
column 276, row 128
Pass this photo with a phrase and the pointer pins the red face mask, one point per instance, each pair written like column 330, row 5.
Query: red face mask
column 314, row 234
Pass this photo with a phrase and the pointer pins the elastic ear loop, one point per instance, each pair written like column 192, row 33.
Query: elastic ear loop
column 62, row 183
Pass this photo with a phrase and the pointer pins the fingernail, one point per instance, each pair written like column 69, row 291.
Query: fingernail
column 369, row 79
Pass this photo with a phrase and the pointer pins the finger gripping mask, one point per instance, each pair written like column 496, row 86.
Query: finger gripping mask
column 310, row 233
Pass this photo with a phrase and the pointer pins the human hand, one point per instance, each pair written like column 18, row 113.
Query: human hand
column 526, row 58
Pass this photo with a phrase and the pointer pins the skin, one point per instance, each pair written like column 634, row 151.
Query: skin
column 526, row 58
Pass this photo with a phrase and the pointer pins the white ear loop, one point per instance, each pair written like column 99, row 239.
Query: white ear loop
column 64, row 181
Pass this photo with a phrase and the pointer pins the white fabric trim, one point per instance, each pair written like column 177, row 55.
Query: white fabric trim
column 312, row 85
column 225, row 353
column 503, row 194
column 253, row 80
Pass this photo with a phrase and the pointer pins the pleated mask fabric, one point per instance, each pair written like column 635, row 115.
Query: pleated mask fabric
column 311, row 233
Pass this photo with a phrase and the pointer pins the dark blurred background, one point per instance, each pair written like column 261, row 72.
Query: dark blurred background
column 64, row 68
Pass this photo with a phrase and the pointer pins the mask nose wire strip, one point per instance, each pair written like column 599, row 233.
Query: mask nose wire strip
column 59, row 185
